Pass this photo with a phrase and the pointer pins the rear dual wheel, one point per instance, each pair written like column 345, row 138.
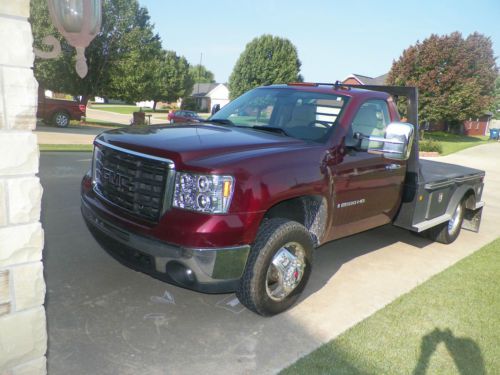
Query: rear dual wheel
column 278, row 267
column 448, row 232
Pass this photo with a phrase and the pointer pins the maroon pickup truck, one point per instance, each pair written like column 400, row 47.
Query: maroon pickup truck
column 59, row 112
column 239, row 202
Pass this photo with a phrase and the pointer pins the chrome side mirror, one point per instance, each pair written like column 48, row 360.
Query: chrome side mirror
column 397, row 143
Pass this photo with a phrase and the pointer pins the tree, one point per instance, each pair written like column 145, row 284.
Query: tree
column 455, row 76
column 132, row 76
column 126, row 36
column 496, row 106
column 266, row 60
column 171, row 78
column 200, row 74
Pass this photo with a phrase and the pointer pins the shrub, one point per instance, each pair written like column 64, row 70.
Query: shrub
column 430, row 145
column 189, row 104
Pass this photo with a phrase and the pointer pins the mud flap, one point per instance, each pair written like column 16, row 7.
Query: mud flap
column 472, row 219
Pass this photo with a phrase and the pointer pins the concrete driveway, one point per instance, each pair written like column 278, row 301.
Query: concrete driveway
column 104, row 318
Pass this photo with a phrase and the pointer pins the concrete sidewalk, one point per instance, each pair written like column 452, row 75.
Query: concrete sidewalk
column 85, row 134
column 72, row 135
column 118, row 118
column 82, row 135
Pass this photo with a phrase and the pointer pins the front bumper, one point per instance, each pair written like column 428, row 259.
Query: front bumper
column 210, row 270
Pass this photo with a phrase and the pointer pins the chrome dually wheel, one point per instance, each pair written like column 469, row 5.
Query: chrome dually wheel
column 285, row 271
column 278, row 267
column 448, row 232
column 456, row 220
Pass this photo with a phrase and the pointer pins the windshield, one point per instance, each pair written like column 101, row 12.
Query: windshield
column 299, row 114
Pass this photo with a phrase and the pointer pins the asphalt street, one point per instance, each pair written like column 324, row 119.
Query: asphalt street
column 104, row 318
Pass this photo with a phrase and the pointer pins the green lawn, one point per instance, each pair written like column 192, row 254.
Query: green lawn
column 115, row 108
column 150, row 110
column 448, row 325
column 75, row 148
column 452, row 142
column 125, row 109
column 204, row 115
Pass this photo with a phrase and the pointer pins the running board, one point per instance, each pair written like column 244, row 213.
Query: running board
column 472, row 220
column 424, row 225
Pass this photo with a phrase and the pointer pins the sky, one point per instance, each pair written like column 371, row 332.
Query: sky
column 334, row 38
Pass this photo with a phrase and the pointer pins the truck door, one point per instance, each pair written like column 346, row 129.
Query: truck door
column 367, row 188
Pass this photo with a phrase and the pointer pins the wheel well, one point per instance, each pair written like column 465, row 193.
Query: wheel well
column 310, row 211
column 58, row 111
column 470, row 199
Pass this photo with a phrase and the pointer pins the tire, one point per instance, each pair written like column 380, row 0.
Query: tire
column 448, row 232
column 60, row 119
column 263, row 287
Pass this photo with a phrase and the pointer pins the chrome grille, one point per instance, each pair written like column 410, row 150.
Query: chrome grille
column 135, row 182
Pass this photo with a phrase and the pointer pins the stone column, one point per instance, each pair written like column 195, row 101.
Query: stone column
column 23, row 334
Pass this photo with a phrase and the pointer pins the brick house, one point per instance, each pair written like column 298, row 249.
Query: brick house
column 479, row 126
column 358, row 79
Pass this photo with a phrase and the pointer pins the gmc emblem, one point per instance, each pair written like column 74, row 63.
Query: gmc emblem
column 114, row 178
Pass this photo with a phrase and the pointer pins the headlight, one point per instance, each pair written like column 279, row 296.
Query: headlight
column 203, row 193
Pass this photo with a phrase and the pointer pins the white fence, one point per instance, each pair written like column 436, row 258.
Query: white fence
column 494, row 124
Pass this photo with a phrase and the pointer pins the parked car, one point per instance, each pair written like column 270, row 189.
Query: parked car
column 59, row 112
column 183, row 117
column 239, row 203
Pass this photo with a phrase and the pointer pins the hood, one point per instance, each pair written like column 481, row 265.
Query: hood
column 186, row 143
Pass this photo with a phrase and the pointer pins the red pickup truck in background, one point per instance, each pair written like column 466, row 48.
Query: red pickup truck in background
column 240, row 201
column 58, row 111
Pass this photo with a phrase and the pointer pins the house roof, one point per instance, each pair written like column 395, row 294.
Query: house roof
column 365, row 80
column 203, row 89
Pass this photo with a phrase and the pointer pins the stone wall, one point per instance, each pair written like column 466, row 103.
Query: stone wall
column 23, row 335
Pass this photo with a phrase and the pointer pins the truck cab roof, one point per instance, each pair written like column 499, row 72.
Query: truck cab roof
column 331, row 89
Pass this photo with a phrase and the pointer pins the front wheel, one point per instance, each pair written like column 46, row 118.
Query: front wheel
column 448, row 232
column 278, row 267
column 61, row 119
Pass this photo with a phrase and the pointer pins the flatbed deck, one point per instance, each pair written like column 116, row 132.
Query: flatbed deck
column 436, row 174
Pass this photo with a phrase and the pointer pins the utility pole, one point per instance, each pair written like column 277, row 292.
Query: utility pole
column 199, row 73
column 198, row 99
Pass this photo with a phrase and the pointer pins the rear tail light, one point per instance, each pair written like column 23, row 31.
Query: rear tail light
column 82, row 107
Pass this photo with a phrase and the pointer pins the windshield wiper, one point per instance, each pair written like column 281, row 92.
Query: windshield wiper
column 271, row 129
column 222, row 121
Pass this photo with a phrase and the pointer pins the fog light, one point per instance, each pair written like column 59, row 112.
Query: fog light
column 180, row 273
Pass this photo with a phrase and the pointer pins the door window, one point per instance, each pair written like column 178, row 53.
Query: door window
column 370, row 121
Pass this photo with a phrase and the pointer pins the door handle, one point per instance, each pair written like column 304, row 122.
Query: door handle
column 392, row 167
